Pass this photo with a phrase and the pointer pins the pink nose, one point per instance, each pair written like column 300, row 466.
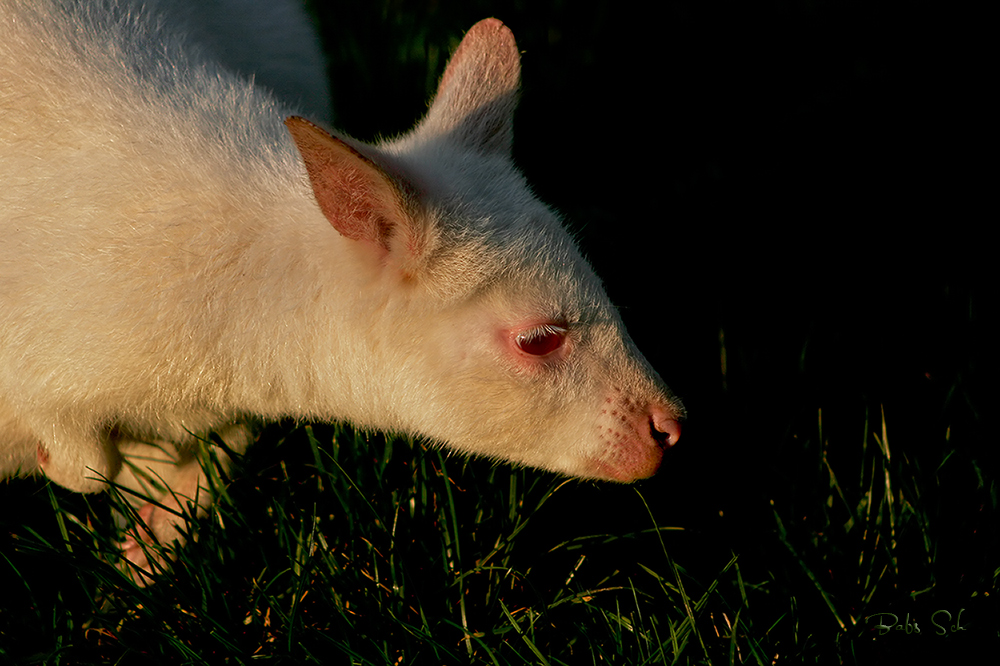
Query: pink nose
column 666, row 429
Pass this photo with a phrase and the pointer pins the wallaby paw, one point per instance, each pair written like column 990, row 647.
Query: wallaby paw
column 151, row 543
column 167, row 486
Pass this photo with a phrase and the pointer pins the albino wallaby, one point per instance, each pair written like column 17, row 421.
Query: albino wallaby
column 180, row 253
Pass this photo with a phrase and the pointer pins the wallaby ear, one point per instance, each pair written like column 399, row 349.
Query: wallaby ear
column 359, row 199
column 476, row 97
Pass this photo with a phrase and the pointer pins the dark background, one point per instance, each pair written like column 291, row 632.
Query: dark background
column 805, row 176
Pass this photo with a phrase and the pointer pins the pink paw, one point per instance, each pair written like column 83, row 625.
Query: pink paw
column 151, row 542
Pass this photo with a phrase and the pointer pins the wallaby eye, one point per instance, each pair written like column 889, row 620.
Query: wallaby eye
column 541, row 340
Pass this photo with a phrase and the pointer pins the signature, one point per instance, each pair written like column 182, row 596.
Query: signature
column 909, row 626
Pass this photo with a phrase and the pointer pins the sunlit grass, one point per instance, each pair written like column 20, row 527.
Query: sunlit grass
column 325, row 543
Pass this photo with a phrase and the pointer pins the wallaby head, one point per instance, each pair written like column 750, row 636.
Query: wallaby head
column 495, row 334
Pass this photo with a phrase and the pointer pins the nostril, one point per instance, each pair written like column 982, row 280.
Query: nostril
column 665, row 430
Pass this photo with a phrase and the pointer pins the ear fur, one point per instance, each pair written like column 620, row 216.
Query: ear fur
column 476, row 97
column 473, row 108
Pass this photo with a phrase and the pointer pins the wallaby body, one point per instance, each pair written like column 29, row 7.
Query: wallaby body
column 179, row 256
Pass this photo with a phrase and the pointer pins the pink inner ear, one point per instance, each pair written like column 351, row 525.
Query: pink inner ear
column 355, row 195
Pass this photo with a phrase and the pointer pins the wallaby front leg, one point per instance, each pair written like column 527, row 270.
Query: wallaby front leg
column 79, row 459
column 165, row 483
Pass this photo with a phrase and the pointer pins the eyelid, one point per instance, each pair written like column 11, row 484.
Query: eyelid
column 542, row 330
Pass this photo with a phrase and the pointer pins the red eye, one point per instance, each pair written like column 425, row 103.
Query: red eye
column 541, row 340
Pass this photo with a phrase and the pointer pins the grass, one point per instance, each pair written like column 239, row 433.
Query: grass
column 837, row 474
column 327, row 546
column 342, row 550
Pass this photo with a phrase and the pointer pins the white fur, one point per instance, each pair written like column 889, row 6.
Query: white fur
column 165, row 269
